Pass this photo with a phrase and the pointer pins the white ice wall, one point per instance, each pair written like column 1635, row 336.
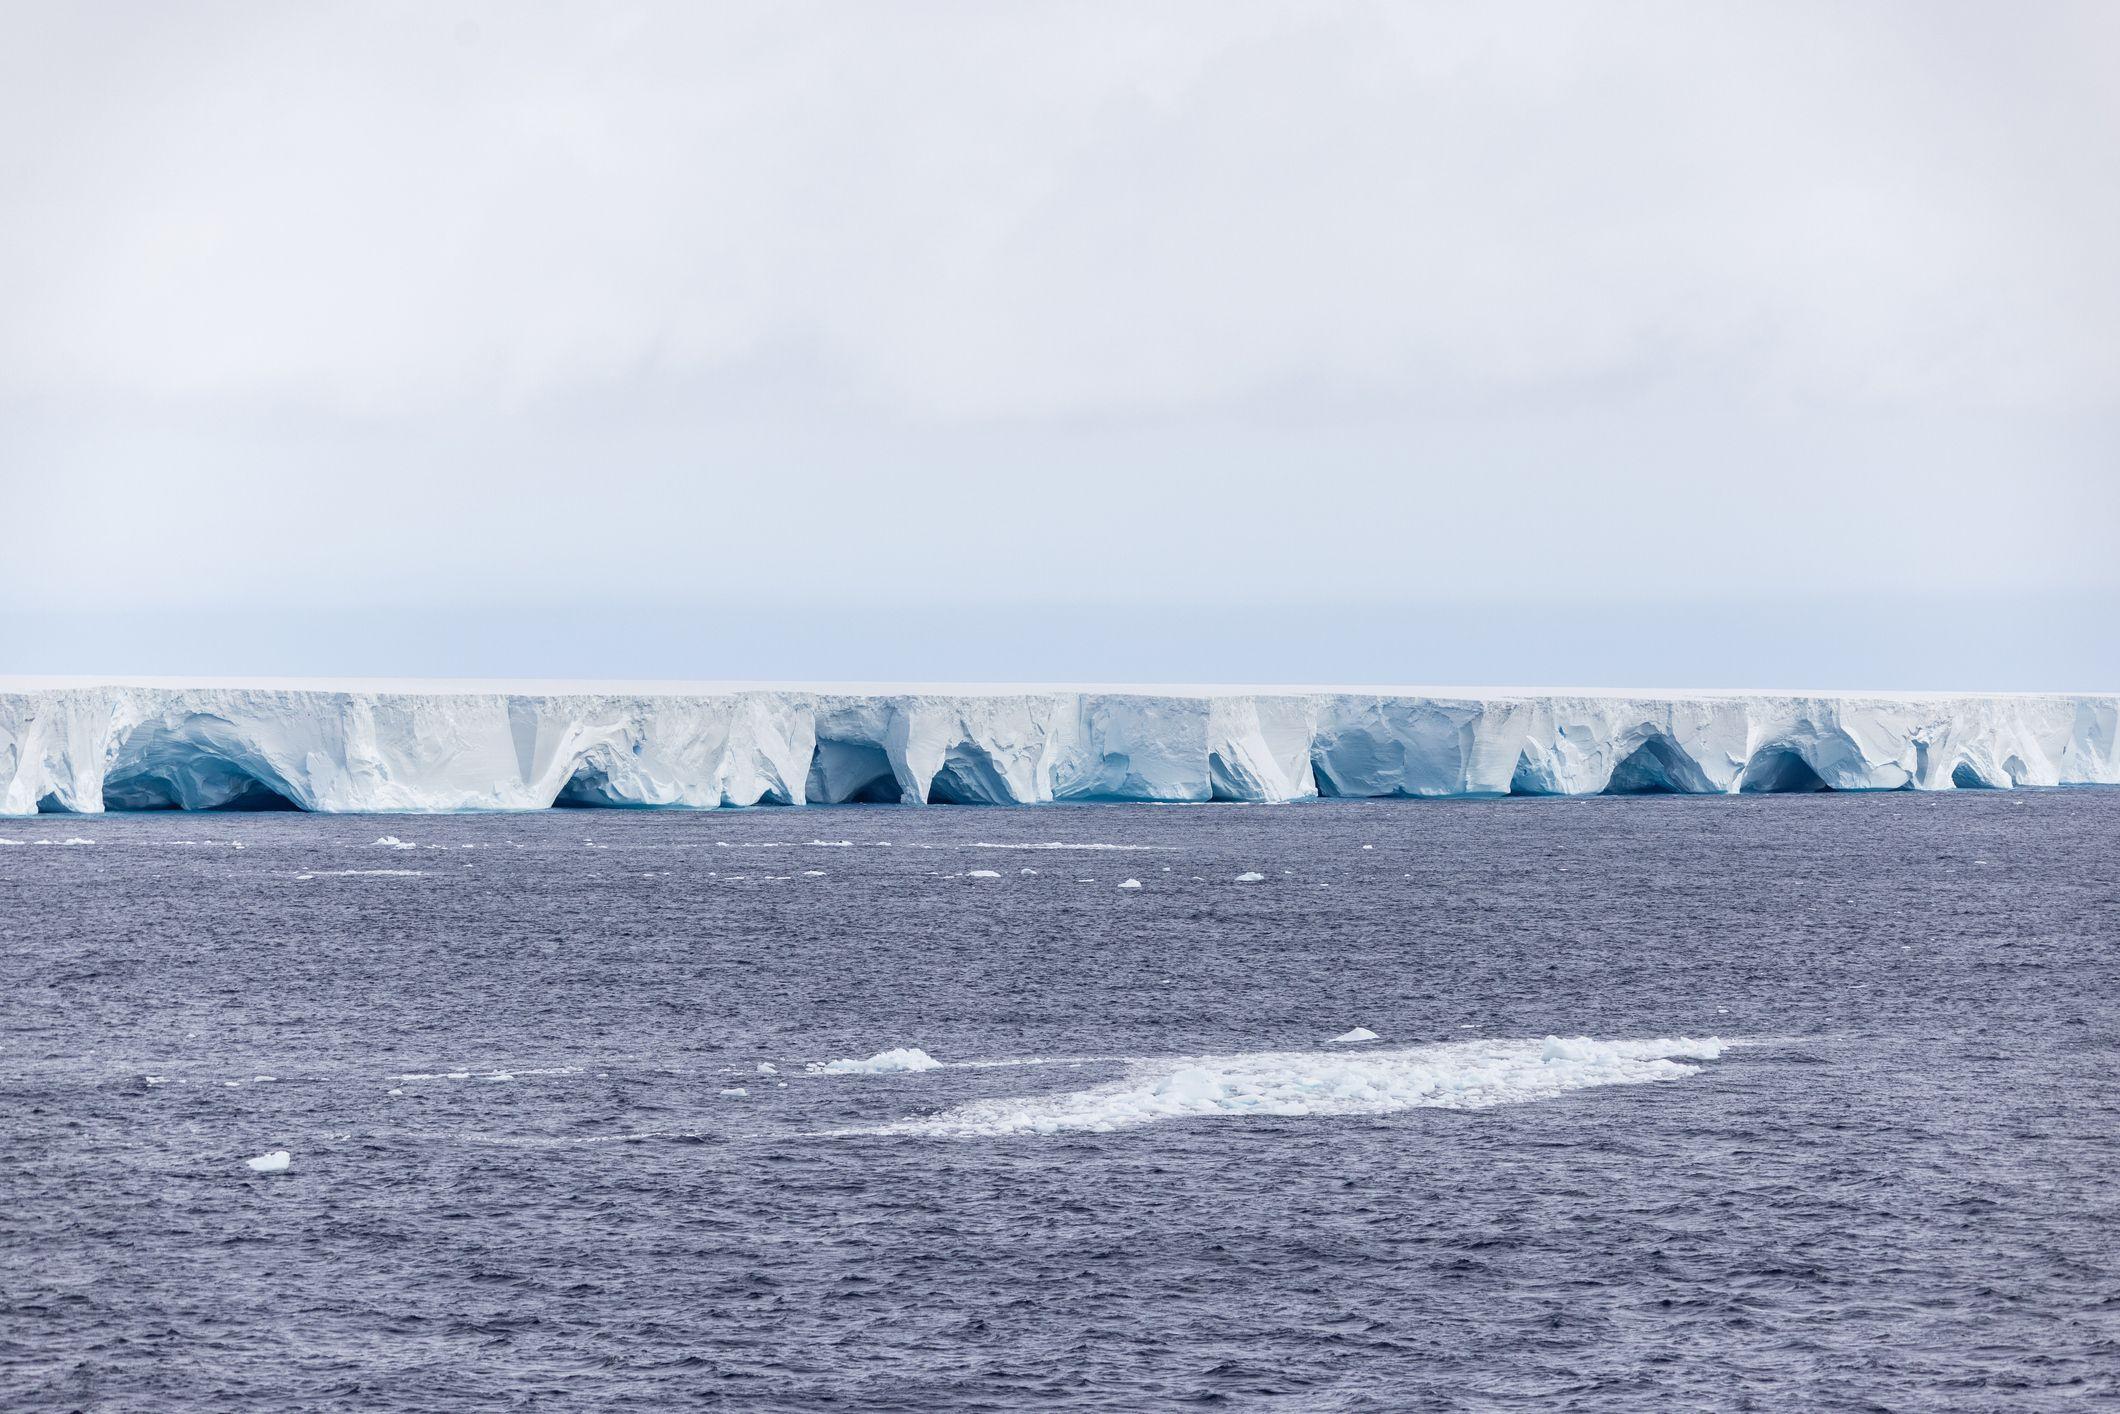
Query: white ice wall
column 88, row 748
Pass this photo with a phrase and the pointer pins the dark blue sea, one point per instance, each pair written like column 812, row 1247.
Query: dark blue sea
column 1831, row 1118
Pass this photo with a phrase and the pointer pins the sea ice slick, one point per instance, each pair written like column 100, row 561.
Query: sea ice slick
column 274, row 1162
column 358, row 748
column 1462, row 1075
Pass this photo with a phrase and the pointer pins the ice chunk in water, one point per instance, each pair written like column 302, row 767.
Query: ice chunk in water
column 274, row 1162
column 899, row 1061
column 1360, row 1033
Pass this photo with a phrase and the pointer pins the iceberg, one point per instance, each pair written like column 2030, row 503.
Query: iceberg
column 274, row 1162
column 90, row 747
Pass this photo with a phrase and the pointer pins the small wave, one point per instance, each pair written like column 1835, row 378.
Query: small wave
column 1063, row 844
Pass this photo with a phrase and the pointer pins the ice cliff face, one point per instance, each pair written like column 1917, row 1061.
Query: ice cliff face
column 117, row 747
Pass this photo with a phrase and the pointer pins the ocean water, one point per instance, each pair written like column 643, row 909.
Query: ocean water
column 498, row 1060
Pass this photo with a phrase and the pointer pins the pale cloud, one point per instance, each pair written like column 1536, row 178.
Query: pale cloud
column 1008, row 210
column 1148, row 303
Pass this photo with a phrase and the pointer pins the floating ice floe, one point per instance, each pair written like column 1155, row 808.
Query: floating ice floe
column 274, row 1162
column 1250, row 877
column 768, row 1068
column 900, row 1061
column 982, row 874
column 1360, row 1033
column 1463, row 1075
column 393, row 842
column 734, row 1092
column 1130, row 884
column 75, row 839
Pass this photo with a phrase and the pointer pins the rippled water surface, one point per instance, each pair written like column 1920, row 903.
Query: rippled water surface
column 499, row 1057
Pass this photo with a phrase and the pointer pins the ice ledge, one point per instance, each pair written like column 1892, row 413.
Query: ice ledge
column 89, row 746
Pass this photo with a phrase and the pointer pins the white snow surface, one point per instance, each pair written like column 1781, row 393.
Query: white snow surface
column 86, row 747
column 900, row 1061
column 1463, row 1075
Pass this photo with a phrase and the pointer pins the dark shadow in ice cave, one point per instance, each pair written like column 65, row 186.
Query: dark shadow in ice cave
column 1656, row 767
column 969, row 777
column 153, row 791
column 851, row 773
column 1780, row 772
column 589, row 788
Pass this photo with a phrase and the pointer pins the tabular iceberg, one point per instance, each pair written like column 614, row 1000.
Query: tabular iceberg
column 111, row 747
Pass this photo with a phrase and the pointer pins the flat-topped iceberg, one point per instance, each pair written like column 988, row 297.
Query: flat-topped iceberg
column 118, row 747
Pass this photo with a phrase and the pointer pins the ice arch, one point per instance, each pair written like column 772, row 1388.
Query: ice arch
column 969, row 775
column 590, row 788
column 1657, row 767
column 186, row 777
column 1966, row 776
column 1779, row 771
column 851, row 773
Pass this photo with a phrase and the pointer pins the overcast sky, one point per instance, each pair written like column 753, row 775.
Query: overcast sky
column 1620, row 344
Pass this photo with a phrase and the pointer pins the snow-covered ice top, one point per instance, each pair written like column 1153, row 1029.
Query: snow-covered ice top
column 353, row 747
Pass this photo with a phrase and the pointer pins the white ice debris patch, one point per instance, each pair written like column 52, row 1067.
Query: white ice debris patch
column 274, row 1162
column 1463, row 1075
column 1360, row 1033
column 900, row 1061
